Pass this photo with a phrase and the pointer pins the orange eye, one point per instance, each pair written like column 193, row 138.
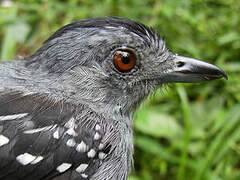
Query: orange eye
column 124, row 60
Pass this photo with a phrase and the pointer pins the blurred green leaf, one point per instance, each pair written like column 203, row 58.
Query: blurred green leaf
column 234, row 116
column 228, row 38
column 152, row 122
column 15, row 33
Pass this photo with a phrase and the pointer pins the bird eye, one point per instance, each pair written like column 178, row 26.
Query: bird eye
column 124, row 60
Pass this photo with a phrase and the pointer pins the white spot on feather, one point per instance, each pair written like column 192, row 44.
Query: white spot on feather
column 71, row 132
column 56, row 134
column 25, row 158
column 12, row 117
column 81, row 168
column 37, row 160
column 70, row 123
column 63, row 167
column 84, row 175
column 28, row 93
column 32, row 131
column 97, row 127
column 82, row 147
column 71, row 142
column 101, row 146
column 102, row 155
column 3, row 140
column 91, row 153
column 96, row 136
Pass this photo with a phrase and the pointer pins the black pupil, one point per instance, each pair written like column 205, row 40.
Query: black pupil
column 125, row 59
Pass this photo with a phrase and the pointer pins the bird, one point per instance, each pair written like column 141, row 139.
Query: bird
column 66, row 112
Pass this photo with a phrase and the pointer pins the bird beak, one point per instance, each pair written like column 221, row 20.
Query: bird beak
column 192, row 70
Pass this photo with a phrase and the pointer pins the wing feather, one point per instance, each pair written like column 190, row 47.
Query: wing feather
column 41, row 135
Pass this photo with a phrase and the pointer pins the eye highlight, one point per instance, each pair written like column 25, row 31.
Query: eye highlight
column 124, row 60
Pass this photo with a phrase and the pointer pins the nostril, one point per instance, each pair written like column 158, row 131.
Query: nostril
column 180, row 64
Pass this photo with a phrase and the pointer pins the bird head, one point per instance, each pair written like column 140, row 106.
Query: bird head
column 113, row 64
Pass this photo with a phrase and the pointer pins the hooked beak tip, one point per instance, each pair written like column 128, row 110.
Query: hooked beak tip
column 224, row 75
column 193, row 70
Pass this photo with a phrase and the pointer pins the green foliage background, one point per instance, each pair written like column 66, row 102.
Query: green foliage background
column 186, row 131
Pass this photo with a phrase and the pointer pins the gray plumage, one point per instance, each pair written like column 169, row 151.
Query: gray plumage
column 71, row 87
